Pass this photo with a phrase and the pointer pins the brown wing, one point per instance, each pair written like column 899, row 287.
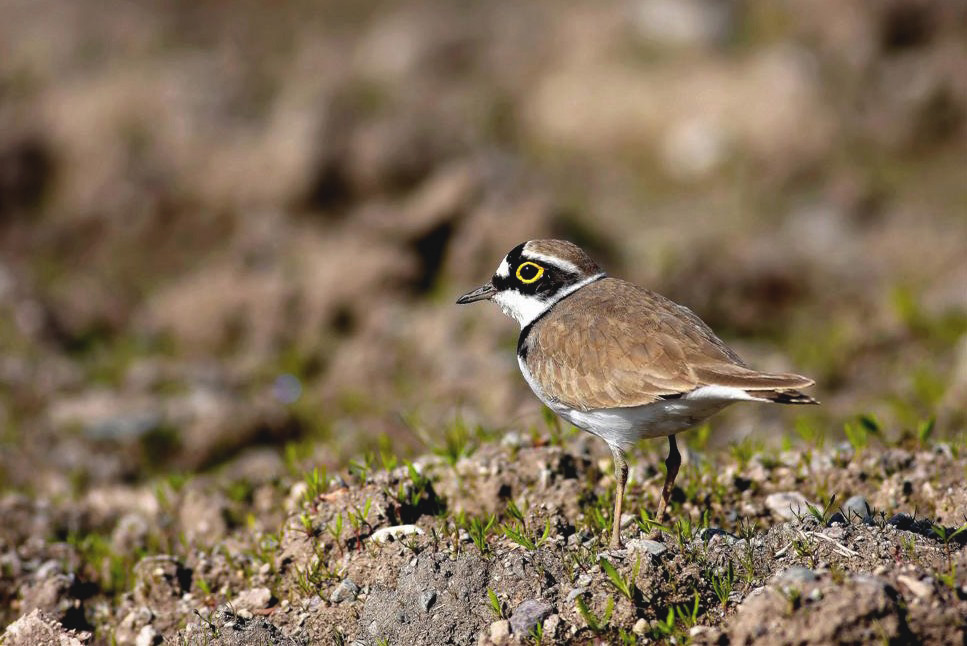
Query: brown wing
column 619, row 345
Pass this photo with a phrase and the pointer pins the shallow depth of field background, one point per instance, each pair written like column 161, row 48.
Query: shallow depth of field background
column 237, row 227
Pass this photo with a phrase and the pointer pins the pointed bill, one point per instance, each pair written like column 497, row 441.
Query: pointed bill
column 484, row 292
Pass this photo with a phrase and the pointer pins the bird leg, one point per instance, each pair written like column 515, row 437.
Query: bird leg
column 621, row 475
column 672, row 462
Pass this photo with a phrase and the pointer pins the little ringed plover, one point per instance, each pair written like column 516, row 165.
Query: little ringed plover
column 618, row 360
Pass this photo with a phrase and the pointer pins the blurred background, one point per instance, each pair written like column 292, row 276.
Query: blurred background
column 229, row 227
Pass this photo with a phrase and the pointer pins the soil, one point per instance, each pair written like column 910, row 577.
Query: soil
column 382, row 556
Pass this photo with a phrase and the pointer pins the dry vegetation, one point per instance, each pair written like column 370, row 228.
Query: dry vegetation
column 230, row 238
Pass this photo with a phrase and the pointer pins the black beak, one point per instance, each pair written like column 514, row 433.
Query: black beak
column 482, row 293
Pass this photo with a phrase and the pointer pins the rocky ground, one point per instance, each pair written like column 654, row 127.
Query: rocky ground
column 504, row 542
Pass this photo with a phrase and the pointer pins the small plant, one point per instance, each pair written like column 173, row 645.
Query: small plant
column 688, row 616
column 479, row 530
column 812, row 435
column 946, row 535
column 722, row 584
column 517, row 529
column 925, row 430
column 410, row 494
column 596, row 624
column 684, row 531
column 664, row 628
column 748, row 561
column 624, row 586
column 495, row 605
column 362, row 468
column 537, row 633
column 648, row 524
column 335, row 529
column 679, row 614
column 358, row 517
column 518, row 534
column 909, row 546
column 698, row 438
column 744, row 450
column 553, row 425
column 823, row 515
column 317, row 483
column 948, row 578
column 793, row 599
column 307, row 526
column 747, row 529
column 458, row 442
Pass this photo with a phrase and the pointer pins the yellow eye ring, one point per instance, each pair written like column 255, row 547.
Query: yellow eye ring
column 528, row 281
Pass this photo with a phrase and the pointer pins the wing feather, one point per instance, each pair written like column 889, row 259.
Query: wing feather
column 620, row 345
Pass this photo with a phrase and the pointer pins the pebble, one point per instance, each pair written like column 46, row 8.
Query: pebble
column 347, row 590
column 644, row 545
column 837, row 519
column 788, row 505
column 394, row 533
column 901, row 521
column 146, row 637
column 856, row 509
column 922, row 589
column 575, row 593
column 528, row 614
column 551, row 624
column 796, row 574
column 640, row 627
column 500, row 631
column 253, row 599
column 427, row 598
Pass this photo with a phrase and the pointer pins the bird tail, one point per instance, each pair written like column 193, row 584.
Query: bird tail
column 783, row 396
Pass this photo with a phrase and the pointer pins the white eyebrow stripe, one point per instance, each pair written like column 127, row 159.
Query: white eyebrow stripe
column 560, row 263
column 504, row 269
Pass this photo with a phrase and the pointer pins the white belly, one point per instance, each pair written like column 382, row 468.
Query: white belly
column 622, row 427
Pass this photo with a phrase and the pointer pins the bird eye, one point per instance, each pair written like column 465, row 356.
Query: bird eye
column 528, row 272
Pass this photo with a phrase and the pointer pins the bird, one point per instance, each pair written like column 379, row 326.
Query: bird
column 617, row 360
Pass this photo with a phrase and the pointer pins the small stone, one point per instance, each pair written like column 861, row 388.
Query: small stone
column 394, row 533
column 347, row 590
column 857, row 510
column 644, row 545
column 253, row 599
column 528, row 614
column 500, row 632
column 922, row 589
column 575, row 593
column 796, row 574
column 837, row 519
column 551, row 624
column 708, row 533
column 788, row 505
column 640, row 627
column 901, row 521
column 698, row 631
column 427, row 598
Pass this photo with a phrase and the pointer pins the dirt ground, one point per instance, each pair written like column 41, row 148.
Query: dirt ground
column 505, row 543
